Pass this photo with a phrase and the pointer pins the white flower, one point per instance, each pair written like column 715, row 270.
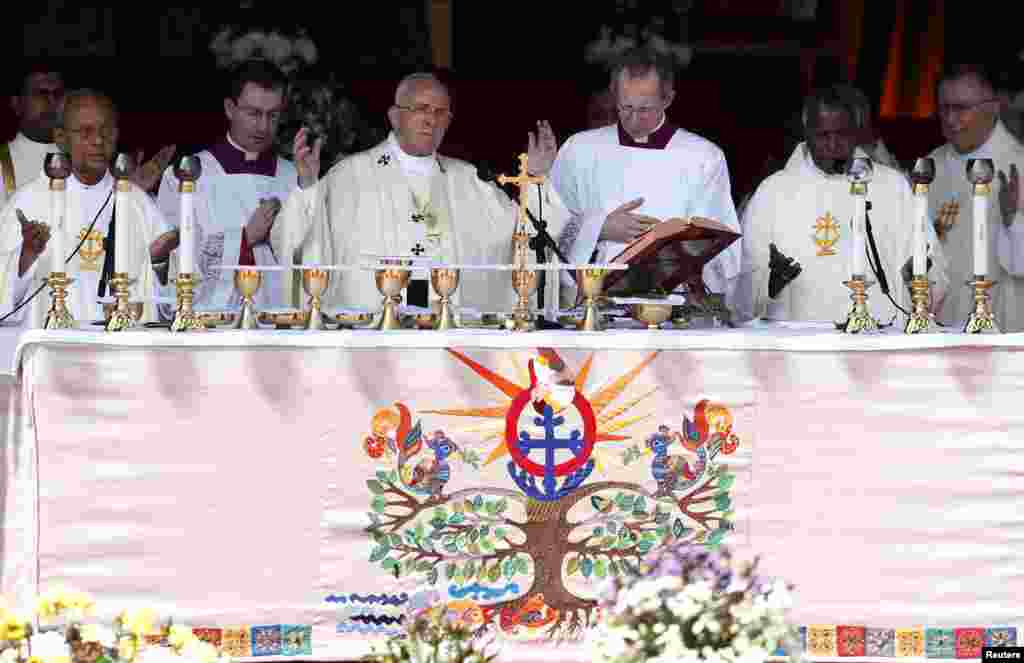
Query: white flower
column 99, row 633
column 9, row 655
column 156, row 654
column 49, row 645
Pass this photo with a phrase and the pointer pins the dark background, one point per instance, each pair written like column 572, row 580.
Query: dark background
column 514, row 64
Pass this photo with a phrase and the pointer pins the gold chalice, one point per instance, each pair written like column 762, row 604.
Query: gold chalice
column 314, row 282
column 591, row 280
column 445, row 282
column 391, row 281
column 524, row 281
column 652, row 313
column 247, row 283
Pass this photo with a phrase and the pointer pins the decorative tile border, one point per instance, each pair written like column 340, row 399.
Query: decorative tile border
column 826, row 641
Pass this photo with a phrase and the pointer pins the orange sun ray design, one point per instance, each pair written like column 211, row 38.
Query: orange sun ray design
column 608, row 423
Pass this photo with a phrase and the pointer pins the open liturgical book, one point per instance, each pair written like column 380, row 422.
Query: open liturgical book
column 670, row 254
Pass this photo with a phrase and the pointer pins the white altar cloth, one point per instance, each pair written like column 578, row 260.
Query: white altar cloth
column 219, row 476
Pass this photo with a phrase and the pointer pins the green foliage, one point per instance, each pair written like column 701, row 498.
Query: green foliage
column 631, row 455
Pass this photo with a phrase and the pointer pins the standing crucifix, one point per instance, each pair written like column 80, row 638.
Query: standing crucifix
column 520, row 238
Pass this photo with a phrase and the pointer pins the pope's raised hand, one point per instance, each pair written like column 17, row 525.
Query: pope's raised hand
column 542, row 149
column 1009, row 194
column 624, row 225
column 307, row 158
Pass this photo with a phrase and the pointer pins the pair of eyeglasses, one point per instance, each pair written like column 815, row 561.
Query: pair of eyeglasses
column 90, row 133
column 443, row 114
column 637, row 110
column 960, row 109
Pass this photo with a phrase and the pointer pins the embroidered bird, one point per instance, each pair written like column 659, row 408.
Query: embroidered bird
column 431, row 474
column 673, row 472
column 548, row 386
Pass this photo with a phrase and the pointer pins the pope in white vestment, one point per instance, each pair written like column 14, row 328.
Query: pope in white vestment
column 802, row 204
column 950, row 202
column 140, row 223
column 403, row 198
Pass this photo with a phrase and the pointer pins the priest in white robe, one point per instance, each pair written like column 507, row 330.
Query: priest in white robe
column 402, row 197
column 35, row 103
column 88, row 133
column 240, row 192
column 969, row 118
column 618, row 180
column 806, row 211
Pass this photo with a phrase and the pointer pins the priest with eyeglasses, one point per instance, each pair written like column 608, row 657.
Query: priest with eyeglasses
column 403, row 197
column 87, row 133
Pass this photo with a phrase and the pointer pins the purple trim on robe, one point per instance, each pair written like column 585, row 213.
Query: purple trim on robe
column 656, row 141
column 233, row 160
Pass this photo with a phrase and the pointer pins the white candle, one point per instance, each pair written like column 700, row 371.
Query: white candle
column 57, row 201
column 122, row 227
column 186, row 244
column 920, row 235
column 980, row 234
column 857, row 243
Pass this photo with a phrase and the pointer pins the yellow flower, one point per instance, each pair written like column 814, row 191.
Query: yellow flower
column 139, row 622
column 126, row 648
column 180, row 636
column 34, row 659
column 58, row 659
column 16, row 627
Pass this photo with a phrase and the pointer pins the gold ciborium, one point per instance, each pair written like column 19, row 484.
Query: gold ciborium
column 59, row 317
column 247, row 283
column 652, row 313
column 121, row 317
column 391, row 280
column 314, row 282
column 445, row 281
column 185, row 317
column 524, row 282
column 591, row 280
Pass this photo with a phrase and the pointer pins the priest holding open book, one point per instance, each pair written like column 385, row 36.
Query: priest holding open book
column 619, row 181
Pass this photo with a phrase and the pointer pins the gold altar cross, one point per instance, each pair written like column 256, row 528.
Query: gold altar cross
column 523, row 181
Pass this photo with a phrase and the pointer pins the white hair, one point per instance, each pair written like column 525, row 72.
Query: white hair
column 406, row 84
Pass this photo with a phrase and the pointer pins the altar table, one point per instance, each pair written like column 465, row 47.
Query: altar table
column 230, row 479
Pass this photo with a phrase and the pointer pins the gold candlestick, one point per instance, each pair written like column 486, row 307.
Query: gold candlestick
column 445, row 281
column 591, row 281
column 59, row 317
column 982, row 320
column 921, row 320
column 859, row 319
column 121, row 317
column 186, row 319
column 247, row 283
column 524, row 281
column 314, row 282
